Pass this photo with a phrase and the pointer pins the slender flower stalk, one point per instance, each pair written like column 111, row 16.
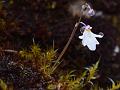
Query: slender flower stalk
column 66, row 46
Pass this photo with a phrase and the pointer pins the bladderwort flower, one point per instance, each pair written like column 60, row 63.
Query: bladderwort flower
column 89, row 38
column 87, row 10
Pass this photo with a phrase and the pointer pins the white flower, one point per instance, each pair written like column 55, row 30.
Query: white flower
column 89, row 38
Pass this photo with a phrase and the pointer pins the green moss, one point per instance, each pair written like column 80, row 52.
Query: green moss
column 3, row 85
column 44, row 61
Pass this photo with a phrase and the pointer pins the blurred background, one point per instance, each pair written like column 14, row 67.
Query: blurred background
column 53, row 20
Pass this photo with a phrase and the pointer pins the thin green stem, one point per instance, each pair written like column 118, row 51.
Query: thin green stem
column 66, row 46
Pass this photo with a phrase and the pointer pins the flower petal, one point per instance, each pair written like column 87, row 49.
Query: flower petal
column 84, row 43
column 92, row 47
column 96, row 41
column 98, row 36
column 91, row 43
column 81, row 37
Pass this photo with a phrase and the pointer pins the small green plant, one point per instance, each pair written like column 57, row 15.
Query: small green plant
column 41, row 60
column 3, row 85
column 92, row 71
column 114, row 86
column 70, row 81
column 44, row 62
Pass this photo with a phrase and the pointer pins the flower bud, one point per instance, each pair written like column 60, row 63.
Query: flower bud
column 87, row 10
